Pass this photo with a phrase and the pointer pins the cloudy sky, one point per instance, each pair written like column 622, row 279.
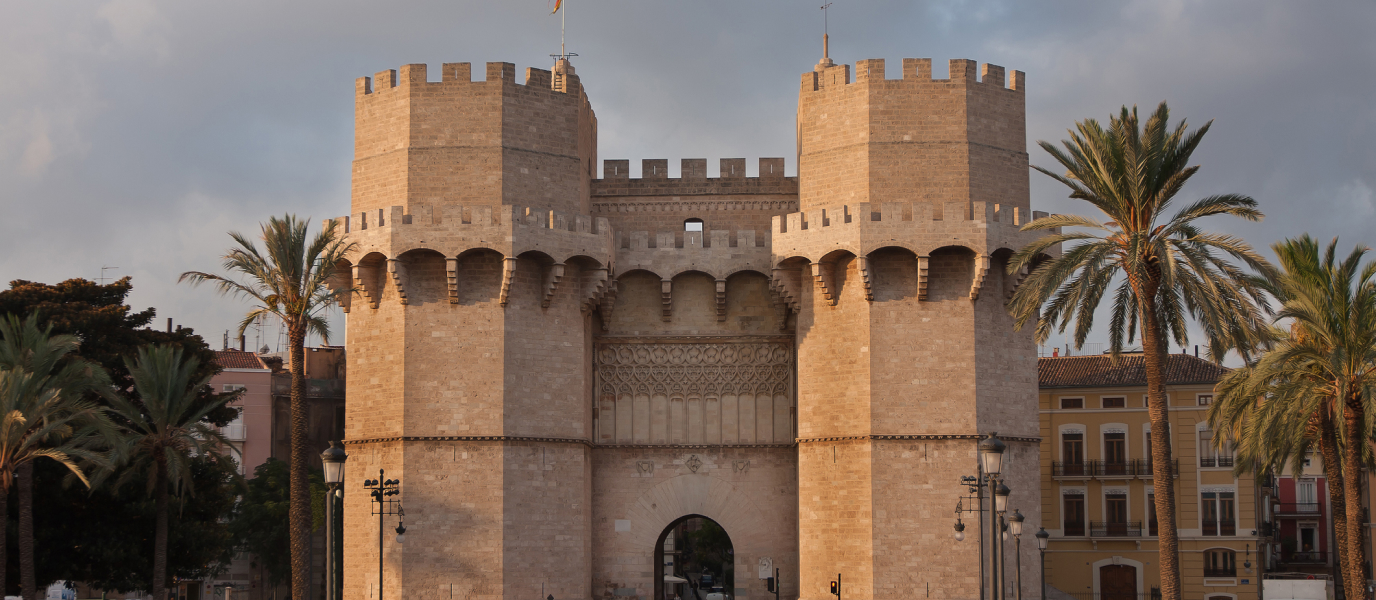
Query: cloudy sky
column 136, row 133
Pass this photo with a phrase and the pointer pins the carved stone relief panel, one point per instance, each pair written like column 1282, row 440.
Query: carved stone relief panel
column 694, row 392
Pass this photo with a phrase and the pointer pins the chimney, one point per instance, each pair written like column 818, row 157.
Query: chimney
column 241, row 342
column 169, row 324
column 1196, row 350
column 1055, row 352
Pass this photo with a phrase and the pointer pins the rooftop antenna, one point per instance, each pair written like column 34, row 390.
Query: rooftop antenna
column 103, row 269
column 826, row 41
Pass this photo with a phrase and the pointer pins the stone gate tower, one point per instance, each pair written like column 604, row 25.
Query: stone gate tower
column 559, row 367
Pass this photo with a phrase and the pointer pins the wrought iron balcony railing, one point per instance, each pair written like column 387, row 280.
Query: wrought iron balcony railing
column 1304, row 557
column 1115, row 529
column 1220, row 528
column 1208, row 572
column 1143, row 468
column 1299, row 508
column 1215, row 461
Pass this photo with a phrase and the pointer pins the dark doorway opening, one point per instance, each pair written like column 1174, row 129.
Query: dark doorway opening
column 694, row 560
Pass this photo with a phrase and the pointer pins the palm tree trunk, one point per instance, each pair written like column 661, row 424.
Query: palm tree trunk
column 160, row 530
column 1333, row 476
column 300, row 510
column 1163, row 477
column 1354, row 581
column 28, row 579
column 4, row 528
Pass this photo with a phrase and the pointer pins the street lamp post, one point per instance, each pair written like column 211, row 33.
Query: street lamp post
column 1042, row 538
column 382, row 490
column 988, row 477
column 1015, row 528
column 333, row 459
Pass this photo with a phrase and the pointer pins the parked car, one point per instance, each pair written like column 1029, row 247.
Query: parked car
column 717, row 593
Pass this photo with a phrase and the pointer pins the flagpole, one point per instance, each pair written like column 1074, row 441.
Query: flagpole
column 562, row 15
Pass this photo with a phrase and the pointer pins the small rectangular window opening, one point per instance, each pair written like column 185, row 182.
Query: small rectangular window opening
column 1072, row 402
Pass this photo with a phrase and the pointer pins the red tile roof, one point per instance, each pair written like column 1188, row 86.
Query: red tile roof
column 234, row 359
column 1130, row 370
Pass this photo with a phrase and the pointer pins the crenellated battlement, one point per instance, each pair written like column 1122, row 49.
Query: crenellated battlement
column 562, row 79
column 453, row 229
column 718, row 253
column 916, row 71
column 921, row 227
column 654, row 179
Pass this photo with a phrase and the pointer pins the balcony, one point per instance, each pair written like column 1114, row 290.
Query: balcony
column 1121, row 469
column 1103, row 469
column 1207, row 462
column 1220, row 528
column 1304, row 557
column 1208, row 572
column 1071, row 469
column 1301, row 509
column 1115, row 529
column 1143, row 468
column 1074, row 528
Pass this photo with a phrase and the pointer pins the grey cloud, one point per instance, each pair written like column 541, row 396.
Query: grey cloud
column 137, row 132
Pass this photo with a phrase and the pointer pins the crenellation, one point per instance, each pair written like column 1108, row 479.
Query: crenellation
column 654, row 168
column 693, row 168
column 992, row 74
column 501, row 71
column 539, row 78
column 456, row 72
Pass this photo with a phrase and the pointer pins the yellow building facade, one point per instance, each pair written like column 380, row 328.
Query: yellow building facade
column 1097, row 494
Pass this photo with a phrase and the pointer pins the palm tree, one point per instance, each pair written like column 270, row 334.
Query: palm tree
column 45, row 414
column 291, row 281
column 1163, row 269
column 164, row 433
column 1314, row 386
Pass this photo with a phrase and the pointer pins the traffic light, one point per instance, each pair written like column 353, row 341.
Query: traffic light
column 833, row 588
column 769, row 583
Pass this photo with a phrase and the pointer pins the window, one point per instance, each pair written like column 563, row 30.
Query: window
column 1220, row 563
column 693, row 224
column 1205, row 399
column 1218, row 511
column 1073, row 453
column 1074, row 513
column 1212, row 456
column 230, row 388
column 1115, row 453
column 1072, row 402
column 1118, row 402
column 1116, row 513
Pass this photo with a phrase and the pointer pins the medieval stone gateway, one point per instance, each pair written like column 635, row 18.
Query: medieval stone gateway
column 558, row 366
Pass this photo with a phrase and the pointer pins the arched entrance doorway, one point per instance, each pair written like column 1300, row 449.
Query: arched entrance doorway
column 694, row 558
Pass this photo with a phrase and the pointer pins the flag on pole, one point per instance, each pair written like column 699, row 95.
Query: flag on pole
column 557, row 4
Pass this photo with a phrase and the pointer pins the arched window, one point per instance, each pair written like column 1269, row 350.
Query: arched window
column 693, row 224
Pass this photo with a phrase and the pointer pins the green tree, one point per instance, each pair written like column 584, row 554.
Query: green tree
column 105, row 539
column 163, row 432
column 1314, row 385
column 97, row 536
column 1163, row 269
column 261, row 525
column 290, row 280
column 44, row 413
column 109, row 329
